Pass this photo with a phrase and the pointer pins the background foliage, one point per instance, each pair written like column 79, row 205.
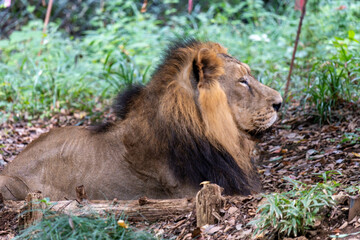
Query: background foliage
column 93, row 48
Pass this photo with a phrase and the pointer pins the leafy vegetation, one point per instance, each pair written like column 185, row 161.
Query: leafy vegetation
column 85, row 60
column 73, row 227
column 334, row 81
column 351, row 138
column 291, row 213
column 353, row 190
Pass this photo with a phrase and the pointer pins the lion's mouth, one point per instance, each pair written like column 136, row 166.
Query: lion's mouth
column 271, row 121
column 262, row 129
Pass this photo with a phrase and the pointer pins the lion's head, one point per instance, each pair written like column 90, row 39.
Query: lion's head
column 253, row 104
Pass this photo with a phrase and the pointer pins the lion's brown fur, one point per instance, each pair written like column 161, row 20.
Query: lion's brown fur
column 187, row 125
column 219, row 124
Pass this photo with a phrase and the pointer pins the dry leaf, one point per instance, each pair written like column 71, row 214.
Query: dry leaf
column 232, row 210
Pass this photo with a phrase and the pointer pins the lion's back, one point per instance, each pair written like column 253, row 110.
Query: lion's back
column 58, row 161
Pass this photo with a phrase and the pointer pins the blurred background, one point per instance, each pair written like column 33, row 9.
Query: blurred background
column 94, row 48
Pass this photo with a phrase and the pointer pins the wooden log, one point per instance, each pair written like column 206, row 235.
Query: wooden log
column 208, row 204
column 134, row 210
column 32, row 211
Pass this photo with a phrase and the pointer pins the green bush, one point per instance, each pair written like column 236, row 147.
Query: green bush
column 291, row 213
column 351, row 138
column 336, row 80
column 63, row 226
column 61, row 77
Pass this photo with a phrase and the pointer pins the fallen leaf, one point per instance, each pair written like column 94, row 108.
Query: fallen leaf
column 232, row 210
column 345, row 224
column 213, row 230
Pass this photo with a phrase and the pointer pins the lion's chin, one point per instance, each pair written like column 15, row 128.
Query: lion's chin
column 258, row 135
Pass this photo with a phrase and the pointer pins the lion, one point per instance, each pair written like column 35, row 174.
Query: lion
column 192, row 122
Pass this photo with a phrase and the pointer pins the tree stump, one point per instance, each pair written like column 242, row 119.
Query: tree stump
column 81, row 195
column 208, row 204
column 32, row 212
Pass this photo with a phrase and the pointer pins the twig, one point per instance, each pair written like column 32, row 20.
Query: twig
column 47, row 17
column 303, row 10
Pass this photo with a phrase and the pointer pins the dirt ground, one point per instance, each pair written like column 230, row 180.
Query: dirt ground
column 296, row 147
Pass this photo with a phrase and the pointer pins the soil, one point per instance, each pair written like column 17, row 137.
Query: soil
column 296, row 147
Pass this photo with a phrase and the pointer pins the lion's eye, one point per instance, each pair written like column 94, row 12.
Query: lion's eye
column 243, row 81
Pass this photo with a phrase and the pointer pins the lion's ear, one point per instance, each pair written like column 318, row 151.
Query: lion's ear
column 208, row 66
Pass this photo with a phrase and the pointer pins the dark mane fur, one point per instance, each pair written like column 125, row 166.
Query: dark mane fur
column 173, row 56
column 122, row 105
column 170, row 52
column 100, row 127
column 194, row 159
column 123, row 102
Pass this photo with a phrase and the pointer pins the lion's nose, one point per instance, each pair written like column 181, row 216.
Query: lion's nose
column 277, row 106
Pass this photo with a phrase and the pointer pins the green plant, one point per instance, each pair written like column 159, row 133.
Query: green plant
column 121, row 73
column 335, row 80
column 38, row 85
column 292, row 213
column 325, row 88
column 351, row 138
column 54, row 226
column 326, row 177
column 353, row 190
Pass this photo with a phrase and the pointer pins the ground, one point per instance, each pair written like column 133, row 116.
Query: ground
column 296, row 147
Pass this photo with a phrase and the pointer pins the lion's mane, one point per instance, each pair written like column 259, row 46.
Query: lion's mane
column 191, row 120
